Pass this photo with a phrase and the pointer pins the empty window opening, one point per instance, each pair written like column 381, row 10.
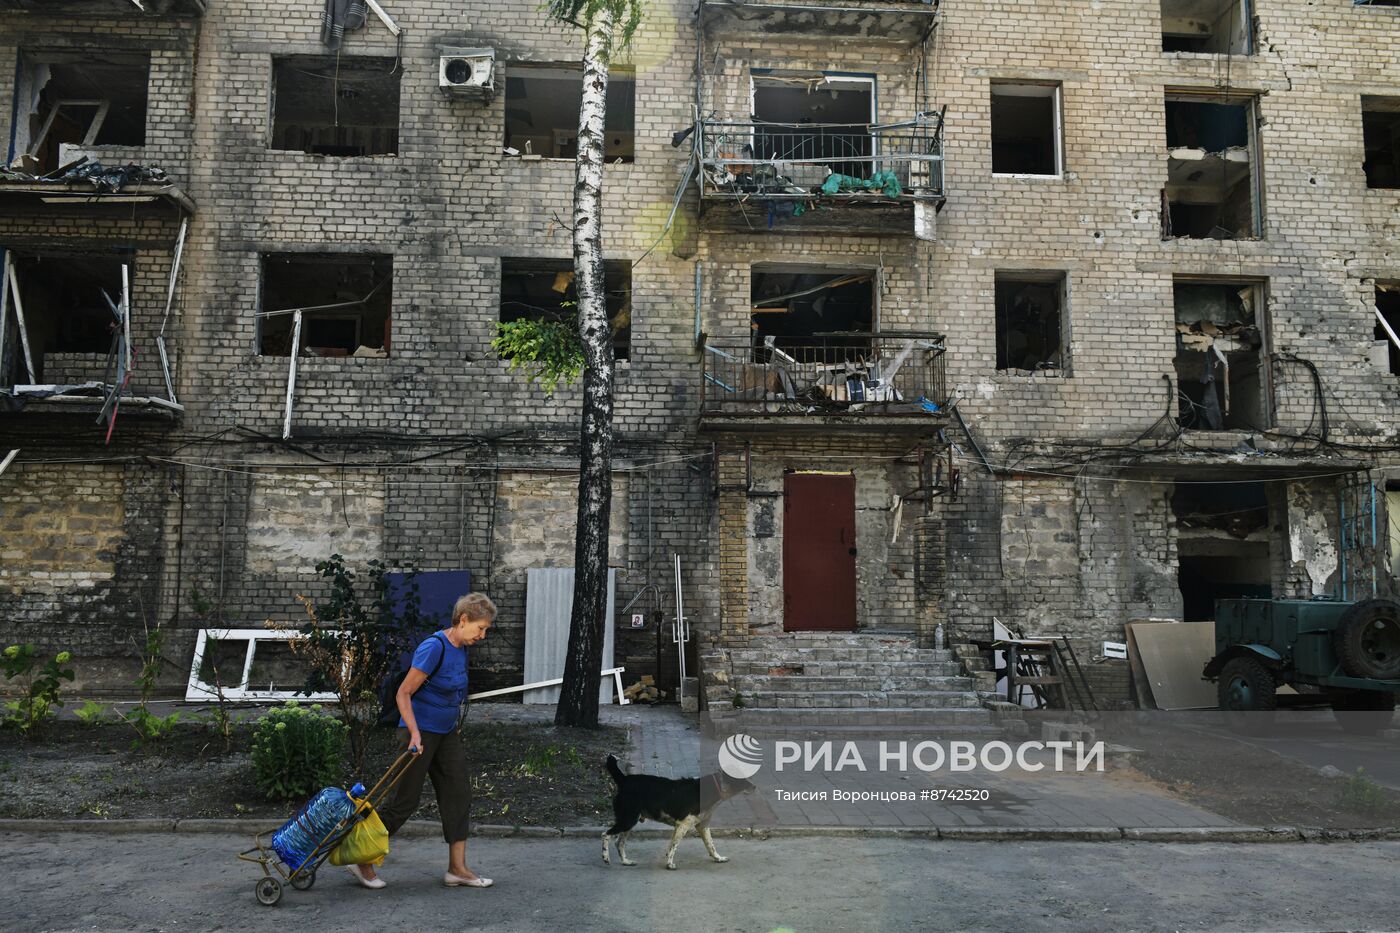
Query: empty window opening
column 65, row 310
column 346, row 297
column 1220, row 365
column 1210, row 190
column 544, row 290
column 1030, row 321
column 542, row 104
column 1025, row 129
column 801, row 309
column 1221, row 27
column 1380, row 127
column 71, row 102
column 1222, row 545
column 336, row 105
column 811, row 124
column 1385, row 355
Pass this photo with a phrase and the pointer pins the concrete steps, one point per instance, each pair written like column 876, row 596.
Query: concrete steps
column 859, row 699
column 885, row 682
column 863, row 680
column 870, row 671
column 855, row 721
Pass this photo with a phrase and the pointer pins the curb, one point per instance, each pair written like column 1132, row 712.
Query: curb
column 429, row 828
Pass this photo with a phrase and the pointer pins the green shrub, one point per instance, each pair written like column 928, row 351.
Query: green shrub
column 93, row 713
column 149, row 727
column 1360, row 794
column 40, row 698
column 297, row 750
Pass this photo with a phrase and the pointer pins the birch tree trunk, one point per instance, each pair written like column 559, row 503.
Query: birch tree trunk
column 578, row 697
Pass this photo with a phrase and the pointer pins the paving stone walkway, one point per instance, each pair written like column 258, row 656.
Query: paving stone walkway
column 668, row 743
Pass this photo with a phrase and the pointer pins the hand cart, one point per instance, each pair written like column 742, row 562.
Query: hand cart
column 269, row 887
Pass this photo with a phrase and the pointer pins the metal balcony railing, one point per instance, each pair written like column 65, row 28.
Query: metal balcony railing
column 802, row 160
column 901, row 372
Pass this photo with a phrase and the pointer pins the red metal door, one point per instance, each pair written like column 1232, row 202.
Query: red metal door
column 819, row 552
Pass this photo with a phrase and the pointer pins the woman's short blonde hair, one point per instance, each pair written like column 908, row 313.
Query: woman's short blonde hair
column 474, row 606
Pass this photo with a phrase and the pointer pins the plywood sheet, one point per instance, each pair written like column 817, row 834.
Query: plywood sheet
column 1173, row 654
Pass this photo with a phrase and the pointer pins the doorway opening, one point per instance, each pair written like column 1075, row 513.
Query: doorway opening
column 1222, row 545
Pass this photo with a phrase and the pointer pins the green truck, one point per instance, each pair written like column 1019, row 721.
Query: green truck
column 1344, row 654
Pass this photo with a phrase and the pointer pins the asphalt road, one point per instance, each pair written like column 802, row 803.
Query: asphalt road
column 182, row 882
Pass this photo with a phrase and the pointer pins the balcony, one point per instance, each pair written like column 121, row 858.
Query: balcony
column 103, row 8
column 795, row 177
column 890, row 380
column 903, row 21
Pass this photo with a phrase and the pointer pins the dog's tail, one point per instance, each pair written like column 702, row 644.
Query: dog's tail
column 614, row 770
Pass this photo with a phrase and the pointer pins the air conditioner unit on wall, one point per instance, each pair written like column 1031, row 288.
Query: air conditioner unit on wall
column 467, row 72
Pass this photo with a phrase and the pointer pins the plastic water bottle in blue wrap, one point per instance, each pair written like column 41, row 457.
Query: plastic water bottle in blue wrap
column 300, row 835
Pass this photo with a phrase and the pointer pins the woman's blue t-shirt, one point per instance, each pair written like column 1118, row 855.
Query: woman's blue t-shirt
column 435, row 704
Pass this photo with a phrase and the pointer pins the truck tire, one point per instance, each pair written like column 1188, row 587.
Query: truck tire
column 1367, row 639
column 1363, row 712
column 1246, row 691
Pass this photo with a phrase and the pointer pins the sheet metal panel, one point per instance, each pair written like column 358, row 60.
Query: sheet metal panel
column 549, row 601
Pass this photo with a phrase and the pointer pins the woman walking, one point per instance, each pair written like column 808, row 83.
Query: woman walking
column 429, row 699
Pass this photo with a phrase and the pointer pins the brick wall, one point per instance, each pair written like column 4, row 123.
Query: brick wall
column 442, row 423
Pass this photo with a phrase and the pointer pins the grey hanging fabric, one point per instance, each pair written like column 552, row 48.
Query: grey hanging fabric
column 340, row 17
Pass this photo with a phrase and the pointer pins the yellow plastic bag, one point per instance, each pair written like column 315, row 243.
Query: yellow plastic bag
column 366, row 844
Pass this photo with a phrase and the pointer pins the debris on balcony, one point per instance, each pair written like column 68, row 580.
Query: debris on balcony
column 831, row 374
column 1220, row 373
column 88, row 182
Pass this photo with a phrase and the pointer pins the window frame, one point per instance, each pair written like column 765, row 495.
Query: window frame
column 1056, row 96
column 1059, row 277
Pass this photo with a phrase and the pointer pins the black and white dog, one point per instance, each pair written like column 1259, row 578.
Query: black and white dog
column 686, row 804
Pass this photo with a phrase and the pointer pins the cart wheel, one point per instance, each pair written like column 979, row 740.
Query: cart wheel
column 303, row 880
column 268, row 891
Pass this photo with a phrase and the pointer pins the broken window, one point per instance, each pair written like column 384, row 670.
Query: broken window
column 1221, row 27
column 1380, row 128
column 345, row 301
column 64, row 300
column 814, row 123
column 1385, row 349
column 336, row 105
column 1222, row 533
column 1211, row 188
column 542, row 104
column 1025, row 129
column 1222, row 377
column 1030, row 321
column 70, row 102
column 800, row 307
column 543, row 290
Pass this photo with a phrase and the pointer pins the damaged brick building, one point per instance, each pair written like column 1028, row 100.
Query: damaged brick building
column 1054, row 315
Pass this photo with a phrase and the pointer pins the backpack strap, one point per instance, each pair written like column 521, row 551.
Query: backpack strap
column 442, row 654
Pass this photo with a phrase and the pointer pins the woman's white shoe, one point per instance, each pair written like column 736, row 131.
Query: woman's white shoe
column 457, row 881
column 359, row 876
